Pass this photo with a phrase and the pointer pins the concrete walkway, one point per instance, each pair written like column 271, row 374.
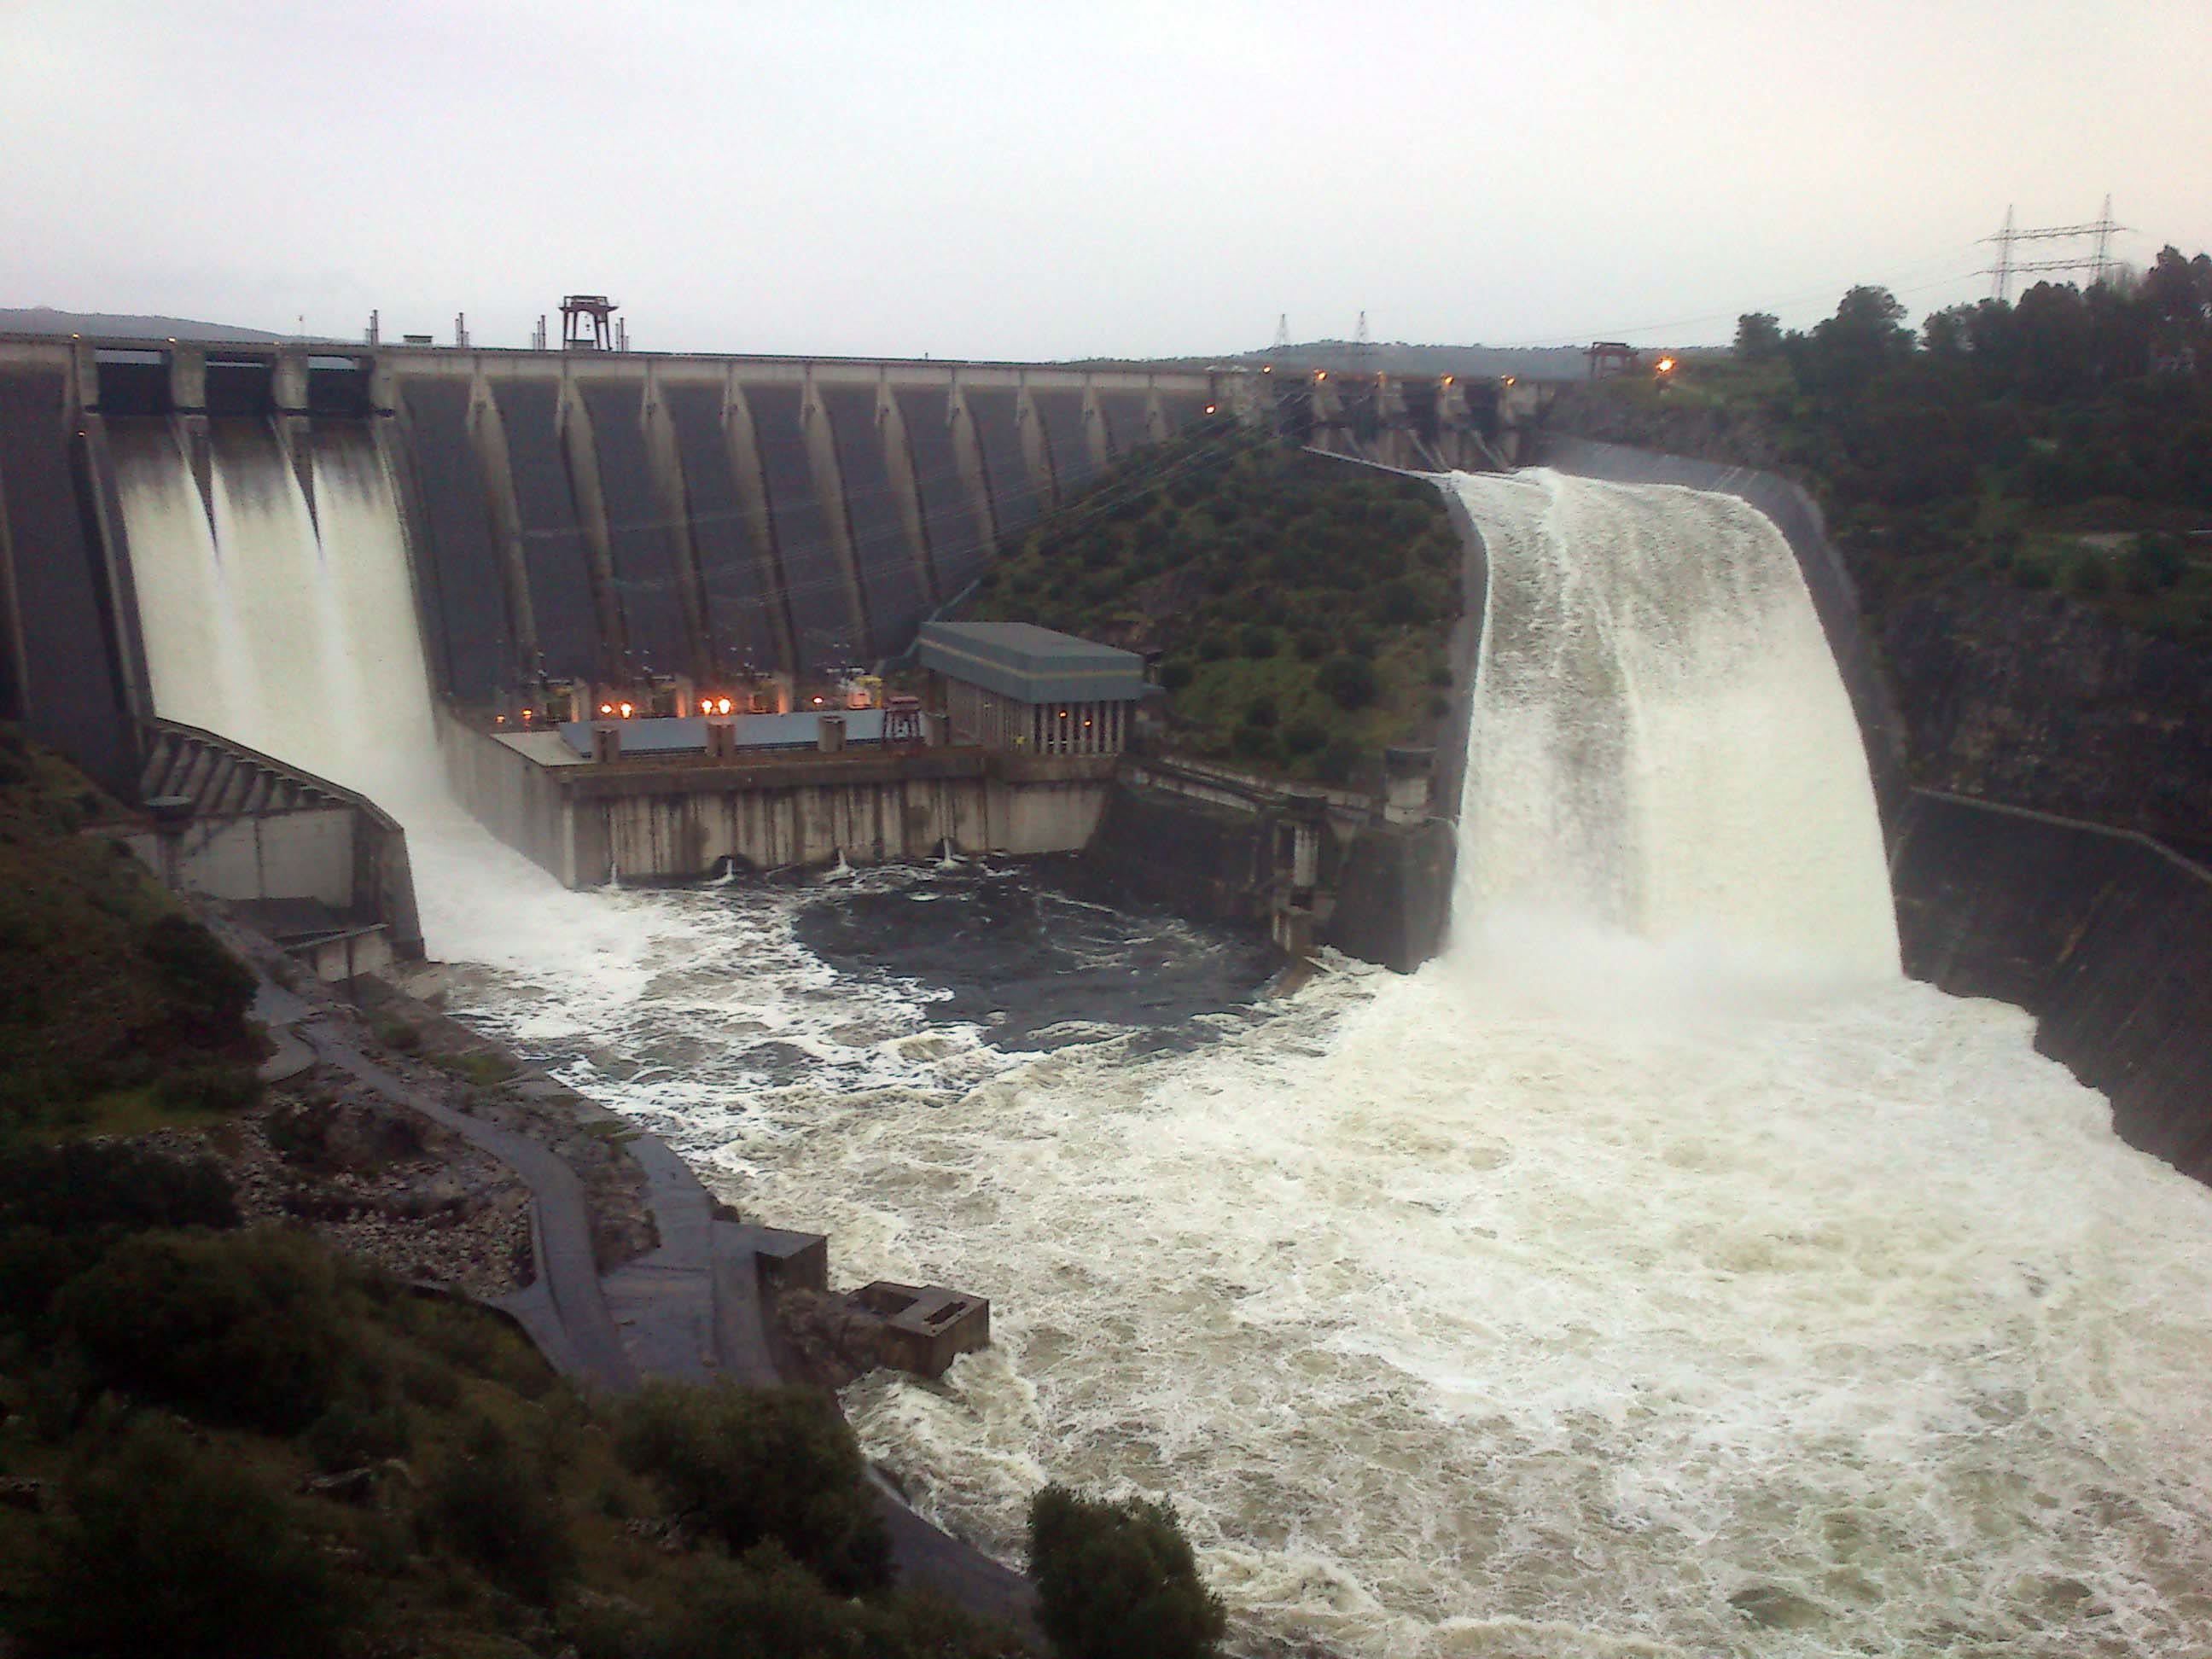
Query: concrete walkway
column 691, row 1309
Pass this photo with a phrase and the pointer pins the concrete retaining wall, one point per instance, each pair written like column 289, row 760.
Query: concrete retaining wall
column 2105, row 936
column 303, row 854
column 515, row 799
column 682, row 821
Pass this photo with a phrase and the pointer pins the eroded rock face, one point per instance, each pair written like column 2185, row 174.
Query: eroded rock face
column 2029, row 699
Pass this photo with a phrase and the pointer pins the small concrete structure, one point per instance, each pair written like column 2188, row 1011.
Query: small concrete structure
column 328, row 866
column 1016, row 686
column 922, row 1329
column 787, row 1261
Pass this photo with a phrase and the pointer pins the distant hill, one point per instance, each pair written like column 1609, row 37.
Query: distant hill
column 1561, row 362
column 112, row 325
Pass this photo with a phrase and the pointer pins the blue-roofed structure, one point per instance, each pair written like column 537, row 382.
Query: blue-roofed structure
column 689, row 735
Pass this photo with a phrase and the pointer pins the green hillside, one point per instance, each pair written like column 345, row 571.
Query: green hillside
column 1302, row 607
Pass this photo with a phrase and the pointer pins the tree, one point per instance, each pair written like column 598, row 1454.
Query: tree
column 1349, row 680
column 1118, row 1581
column 1846, row 354
column 2176, row 288
column 165, row 1549
column 1758, row 337
column 246, row 1329
column 774, row 1463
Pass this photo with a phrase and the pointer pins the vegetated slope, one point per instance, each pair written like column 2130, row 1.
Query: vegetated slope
column 1301, row 606
column 217, row 1441
column 115, row 1007
column 2022, row 495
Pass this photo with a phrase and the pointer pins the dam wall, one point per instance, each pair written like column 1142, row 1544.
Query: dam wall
column 616, row 520
column 612, row 519
column 2100, row 933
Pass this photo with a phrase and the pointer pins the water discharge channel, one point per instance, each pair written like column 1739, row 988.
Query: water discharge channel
column 1657, row 1272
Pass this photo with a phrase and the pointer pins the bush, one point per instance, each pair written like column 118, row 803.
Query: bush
column 504, row 1516
column 1118, row 1581
column 1260, row 711
column 209, row 989
column 354, row 1432
column 1176, row 672
column 1259, row 640
column 165, row 1549
column 244, row 1329
column 1339, row 761
column 397, row 1036
column 1349, row 681
column 213, row 1090
column 2154, row 561
column 1398, row 600
column 86, row 1186
column 777, row 1464
column 2089, row 574
column 1303, row 735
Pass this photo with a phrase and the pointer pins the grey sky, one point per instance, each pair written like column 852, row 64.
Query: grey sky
column 1043, row 179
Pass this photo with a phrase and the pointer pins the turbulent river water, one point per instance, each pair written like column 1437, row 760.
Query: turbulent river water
column 1655, row 1273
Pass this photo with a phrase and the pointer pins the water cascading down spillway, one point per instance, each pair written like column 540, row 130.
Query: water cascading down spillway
column 1659, row 745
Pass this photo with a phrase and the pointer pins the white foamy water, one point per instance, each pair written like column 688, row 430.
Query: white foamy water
column 1660, row 746
column 1657, row 1274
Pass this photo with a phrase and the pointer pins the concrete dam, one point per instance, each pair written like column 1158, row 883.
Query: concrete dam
column 600, row 519
column 1658, row 1268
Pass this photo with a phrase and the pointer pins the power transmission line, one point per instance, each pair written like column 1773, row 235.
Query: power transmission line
column 2099, row 264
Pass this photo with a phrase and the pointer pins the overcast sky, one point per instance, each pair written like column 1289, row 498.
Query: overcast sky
column 1045, row 181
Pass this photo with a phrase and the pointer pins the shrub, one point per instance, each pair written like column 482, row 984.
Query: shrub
column 1349, row 681
column 163, row 1548
column 1398, row 600
column 85, row 1186
column 1256, row 744
column 503, row 1515
column 1303, row 735
column 1118, row 1581
column 1215, row 646
column 353, row 1432
column 2089, row 574
column 2154, row 561
column 1260, row 711
column 777, row 1464
column 214, row 1090
column 209, row 989
column 243, row 1329
column 1339, row 761
column 397, row 1036
column 1259, row 640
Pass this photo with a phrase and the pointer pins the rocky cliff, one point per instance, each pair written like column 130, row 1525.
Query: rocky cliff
column 2031, row 700
column 2005, row 694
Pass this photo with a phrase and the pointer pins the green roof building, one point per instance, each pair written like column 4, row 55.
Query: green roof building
column 1016, row 686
